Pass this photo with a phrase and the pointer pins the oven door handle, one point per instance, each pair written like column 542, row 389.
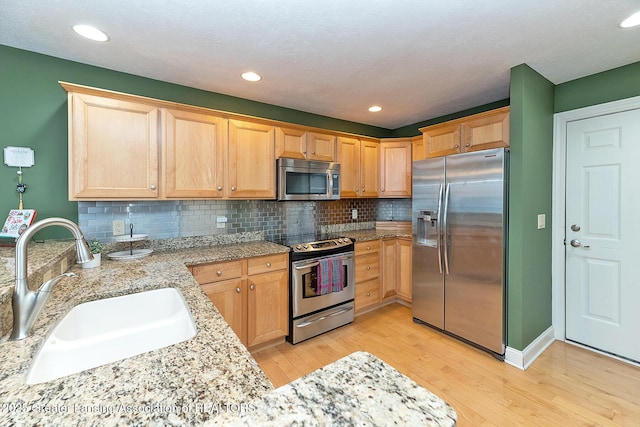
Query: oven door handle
column 319, row 319
column 310, row 264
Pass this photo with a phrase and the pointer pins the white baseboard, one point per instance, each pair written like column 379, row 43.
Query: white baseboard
column 523, row 359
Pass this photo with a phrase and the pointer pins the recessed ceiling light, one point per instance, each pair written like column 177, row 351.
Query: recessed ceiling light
column 631, row 21
column 91, row 33
column 375, row 108
column 251, row 76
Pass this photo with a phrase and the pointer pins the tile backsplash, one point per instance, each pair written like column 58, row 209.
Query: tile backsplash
column 187, row 218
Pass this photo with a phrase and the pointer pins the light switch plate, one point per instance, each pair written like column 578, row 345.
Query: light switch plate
column 541, row 221
column 118, row 227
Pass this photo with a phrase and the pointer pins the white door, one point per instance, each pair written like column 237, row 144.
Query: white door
column 603, row 233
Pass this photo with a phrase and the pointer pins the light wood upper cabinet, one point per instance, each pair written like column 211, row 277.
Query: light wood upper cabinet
column 291, row 143
column 369, row 169
column 296, row 143
column 321, row 146
column 395, row 168
column 349, row 159
column 442, row 140
column 104, row 161
column 359, row 167
column 417, row 148
column 194, row 148
column 477, row 132
column 251, row 161
column 484, row 132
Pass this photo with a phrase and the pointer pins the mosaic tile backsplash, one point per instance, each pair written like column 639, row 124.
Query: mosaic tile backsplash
column 187, row 218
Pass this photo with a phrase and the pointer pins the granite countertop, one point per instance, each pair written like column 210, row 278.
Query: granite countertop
column 373, row 234
column 359, row 389
column 211, row 378
column 176, row 385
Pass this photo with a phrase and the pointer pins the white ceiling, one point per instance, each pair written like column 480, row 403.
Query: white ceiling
column 418, row 59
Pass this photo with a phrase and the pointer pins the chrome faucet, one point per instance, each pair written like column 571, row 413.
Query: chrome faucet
column 28, row 304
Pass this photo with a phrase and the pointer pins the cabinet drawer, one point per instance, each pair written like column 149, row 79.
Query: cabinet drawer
column 367, row 293
column 367, row 247
column 265, row 264
column 218, row 271
column 367, row 266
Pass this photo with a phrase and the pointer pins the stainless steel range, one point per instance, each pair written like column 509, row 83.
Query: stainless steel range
column 322, row 286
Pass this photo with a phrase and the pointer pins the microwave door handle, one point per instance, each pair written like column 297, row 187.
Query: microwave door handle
column 329, row 184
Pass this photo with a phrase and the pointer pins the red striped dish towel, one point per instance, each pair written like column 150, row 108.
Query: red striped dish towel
column 330, row 275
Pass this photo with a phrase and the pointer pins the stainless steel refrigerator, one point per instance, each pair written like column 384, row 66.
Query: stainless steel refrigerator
column 459, row 246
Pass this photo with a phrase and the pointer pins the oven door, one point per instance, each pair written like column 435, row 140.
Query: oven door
column 304, row 285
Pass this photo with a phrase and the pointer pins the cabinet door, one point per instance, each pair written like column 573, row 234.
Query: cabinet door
column 267, row 307
column 389, row 267
column 321, row 146
column 349, row 159
column 367, row 294
column 395, row 169
column 251, row 165
column 113, row 149
column 369, row 169
column 404, row 265
column 230, row 298
column 291, row 143
column 442, row 140
column 194, row 147
column 487, row 131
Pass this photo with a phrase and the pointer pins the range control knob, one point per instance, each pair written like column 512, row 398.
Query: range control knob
column 306, row 246
column 298, row 247
column 339, row 240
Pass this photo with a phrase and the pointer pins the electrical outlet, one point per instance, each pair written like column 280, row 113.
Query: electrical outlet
column 118, row 227
column 354, row 214
column 221, row 221
column 541, row 221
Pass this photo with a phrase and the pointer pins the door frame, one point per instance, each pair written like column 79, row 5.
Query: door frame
column 558, row 267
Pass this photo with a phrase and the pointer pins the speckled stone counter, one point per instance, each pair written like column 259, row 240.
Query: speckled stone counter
column 178, row 385
column 359, row 389
column 373, row 234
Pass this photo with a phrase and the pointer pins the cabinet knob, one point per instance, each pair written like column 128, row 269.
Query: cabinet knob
column 219, row 187
column 304, row 152
column 219, row 273
column 467, row 145
column 238, row 290
column 363, row 189
column 356, row 190
column 368, row 247
column 233, row 188
column 382, row 189
column 252, row 287
column 368, row 267
column 368, row 294
column 313, row 152
column 456, row 146
column 153, row 187
column 269, row 264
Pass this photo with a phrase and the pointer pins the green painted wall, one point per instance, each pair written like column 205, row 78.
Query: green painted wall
column 413, row 129
column 531, row 136
column 33, row 113
column 618, row 83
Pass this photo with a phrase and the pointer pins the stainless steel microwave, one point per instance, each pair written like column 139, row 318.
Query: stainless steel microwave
column 308, row 180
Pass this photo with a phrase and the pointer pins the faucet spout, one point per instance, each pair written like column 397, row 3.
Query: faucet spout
column 28, row 304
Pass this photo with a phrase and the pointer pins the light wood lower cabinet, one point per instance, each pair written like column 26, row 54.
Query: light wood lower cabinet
column 396, row 268
column 367, row 274
column 251, row 294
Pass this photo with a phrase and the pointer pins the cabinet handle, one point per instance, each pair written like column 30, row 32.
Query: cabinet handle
column 153, row 187
column 269, row 265
column 252, row 287
column 233, row 188
column 238, row 290
column 219, row 273
column 219, row 187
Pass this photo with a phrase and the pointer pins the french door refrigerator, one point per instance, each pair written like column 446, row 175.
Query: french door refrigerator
column 459, row 246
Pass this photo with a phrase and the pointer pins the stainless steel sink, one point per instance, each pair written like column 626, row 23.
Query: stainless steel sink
column 104, row 331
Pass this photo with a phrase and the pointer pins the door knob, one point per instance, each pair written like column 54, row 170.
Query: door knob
column 576, row 243
column 575, row 227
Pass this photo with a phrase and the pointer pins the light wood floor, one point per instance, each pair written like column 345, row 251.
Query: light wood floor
column 565, row 386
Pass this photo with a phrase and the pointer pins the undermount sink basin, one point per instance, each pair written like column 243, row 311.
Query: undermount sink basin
column 104, row 331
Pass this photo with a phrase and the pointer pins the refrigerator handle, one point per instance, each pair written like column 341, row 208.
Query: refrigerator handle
column 445, row 228
column 439, row 231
